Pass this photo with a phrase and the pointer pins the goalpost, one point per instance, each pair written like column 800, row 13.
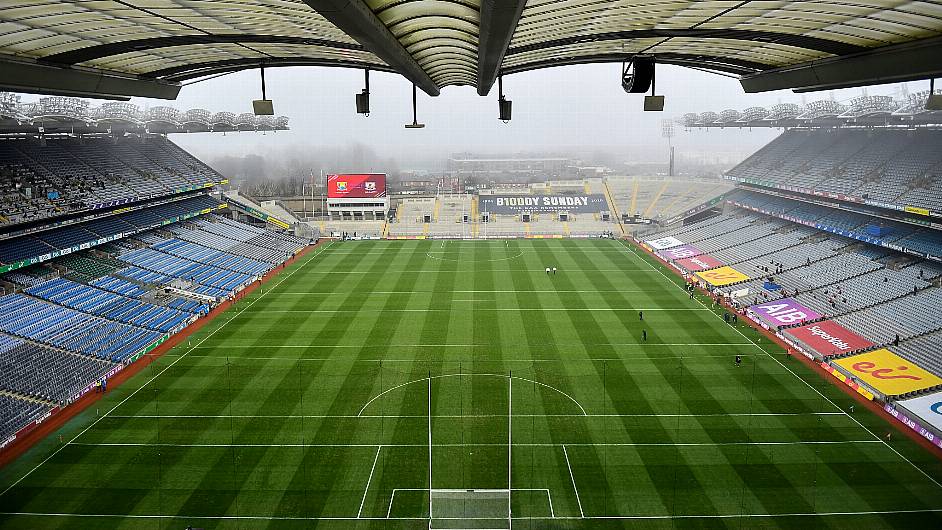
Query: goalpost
column 471, row 508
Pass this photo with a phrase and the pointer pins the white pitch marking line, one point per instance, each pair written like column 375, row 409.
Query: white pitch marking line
column 482, row 270
column 549, row 498
column 367, row 488
column 467, row 444
column 403, row 416
column 362, row 346
column 594, row 517
column 573, row 478
column 429, row 379
column 514, row 309
column 876, row 438
column 462, row 291
column 385, row 360
column 175, row 361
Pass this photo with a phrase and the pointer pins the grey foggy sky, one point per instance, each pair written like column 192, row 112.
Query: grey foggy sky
column 569, row 107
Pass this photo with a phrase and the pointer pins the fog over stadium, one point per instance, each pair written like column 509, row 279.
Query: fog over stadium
column 579, row 111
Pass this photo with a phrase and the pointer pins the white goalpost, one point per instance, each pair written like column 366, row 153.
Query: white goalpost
column 472, row 508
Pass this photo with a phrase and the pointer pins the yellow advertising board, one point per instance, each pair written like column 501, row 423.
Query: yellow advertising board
column 722, row 276
column 887, row 372
column 914, row 209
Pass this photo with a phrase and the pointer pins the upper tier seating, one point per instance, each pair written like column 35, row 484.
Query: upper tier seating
column 59, row 176
column 888, row 165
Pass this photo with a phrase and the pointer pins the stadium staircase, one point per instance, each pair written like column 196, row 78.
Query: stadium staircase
column 612, row 207
column 650, row 208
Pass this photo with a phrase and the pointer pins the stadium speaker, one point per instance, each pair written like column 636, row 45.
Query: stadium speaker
column 526, row 218
column 934, row 102
column 505, row 107
column 263, row 107
column 653, row 103
column 363, row 103
column 637, row 75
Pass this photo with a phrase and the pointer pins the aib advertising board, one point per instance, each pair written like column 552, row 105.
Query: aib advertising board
column 699, row 263
column 829, row 338
column 679, row 252
column 358, row 186
column 784, row 312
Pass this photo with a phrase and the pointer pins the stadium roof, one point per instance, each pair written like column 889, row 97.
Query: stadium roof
column 148, row 47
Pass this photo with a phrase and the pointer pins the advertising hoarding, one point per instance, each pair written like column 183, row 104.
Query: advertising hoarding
column 784, row 312
column 679, row 252
column 517, row 204
column 887, row 372
column 664, row 242
column 828, row 338
column 356, row 186
column 699, row 263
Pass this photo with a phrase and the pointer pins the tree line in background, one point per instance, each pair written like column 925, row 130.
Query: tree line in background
column 289, row 171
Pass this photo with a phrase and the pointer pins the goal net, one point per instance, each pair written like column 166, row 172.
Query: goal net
column 469, row 509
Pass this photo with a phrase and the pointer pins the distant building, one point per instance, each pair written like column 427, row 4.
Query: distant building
column 468, row 166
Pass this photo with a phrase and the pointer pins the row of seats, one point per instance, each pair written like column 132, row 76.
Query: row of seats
column 40, row 180
column 109, row 305
column 875, row 291
column 46, row 241
column 920, row 240
column 16, row 413
column 72, row 330
column 45, row 373
column 890, row 166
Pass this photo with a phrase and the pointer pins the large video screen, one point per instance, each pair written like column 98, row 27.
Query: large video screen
column 357, row 186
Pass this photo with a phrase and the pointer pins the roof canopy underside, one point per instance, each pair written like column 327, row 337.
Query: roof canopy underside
column 170, row 41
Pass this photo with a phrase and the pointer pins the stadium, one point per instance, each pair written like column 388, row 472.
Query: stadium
column 559, row 346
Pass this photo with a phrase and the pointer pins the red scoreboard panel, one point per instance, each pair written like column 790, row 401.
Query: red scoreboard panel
column 360, row 186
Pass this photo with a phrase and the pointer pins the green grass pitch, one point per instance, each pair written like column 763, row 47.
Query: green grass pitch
column 308, row 405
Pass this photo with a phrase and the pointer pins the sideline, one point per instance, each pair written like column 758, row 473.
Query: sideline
column 44, row 429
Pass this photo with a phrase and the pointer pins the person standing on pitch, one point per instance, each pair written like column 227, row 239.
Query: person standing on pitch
column 641, row 316
column 547, row 270
column 554, row 271
column 738, row 360
column 644, row 335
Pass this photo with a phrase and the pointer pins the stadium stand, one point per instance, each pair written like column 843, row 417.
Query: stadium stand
column 878, row 292
column 16, row 412
column 891, row 166
column 62, row 238
column 45, row 373
column 76, row 317
column 43, row 180
column 661, row 198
